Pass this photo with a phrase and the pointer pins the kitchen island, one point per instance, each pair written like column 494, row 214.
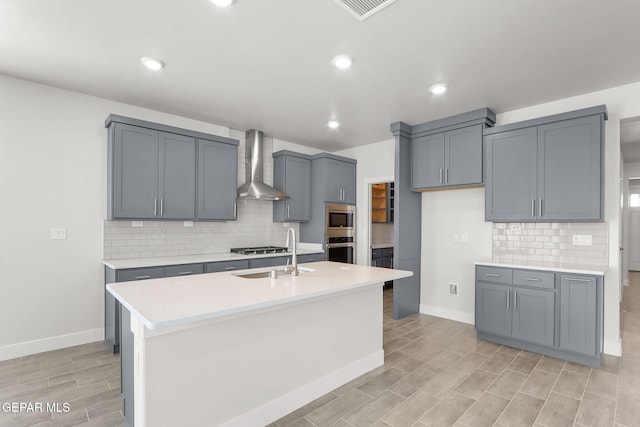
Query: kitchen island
column 221, row 349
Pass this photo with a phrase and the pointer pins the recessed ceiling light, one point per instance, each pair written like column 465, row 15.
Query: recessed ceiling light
column 152, row 63
column 223, row 3
column 333, row 124
column 438, row 89
column 342, row 61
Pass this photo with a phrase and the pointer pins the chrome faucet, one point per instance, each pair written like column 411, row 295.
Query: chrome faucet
column 293, row 268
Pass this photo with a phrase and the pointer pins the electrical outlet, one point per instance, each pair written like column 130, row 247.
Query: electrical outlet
column 464, row 237
column 453, row 289
column 137, row 223
column 188, row 223
column 58, row 234
column 583, row 239
column 515, row 227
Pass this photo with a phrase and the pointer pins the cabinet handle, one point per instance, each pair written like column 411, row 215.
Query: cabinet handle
column 184, row 273
column 508, row 297
column 288, row 216
column 492, row 275
column 570, row 279
column 531, row 279
column 235, row 210
column 155, row 207
column 515, row 299
column 229, row 268
column 533, row 208
column 441, row 179
column 446, row 175
column 142, row 277
column 540, row 207
column 162, row 206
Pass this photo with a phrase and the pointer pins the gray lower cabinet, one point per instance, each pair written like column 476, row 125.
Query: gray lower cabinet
column 578, row 323
column 548, row 169
column 292, row 175
column 555, row 314
column 217, row 180
column 216, row 267
column 269, row 262
column 310, row 258
column 447, row 159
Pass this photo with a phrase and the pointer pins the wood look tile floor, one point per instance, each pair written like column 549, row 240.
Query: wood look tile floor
column 436, row 373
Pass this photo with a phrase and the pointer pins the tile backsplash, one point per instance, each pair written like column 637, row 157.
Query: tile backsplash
column 254, row 227
column 549, row 242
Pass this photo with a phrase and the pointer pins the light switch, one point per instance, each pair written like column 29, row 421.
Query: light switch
column 58, row 234
column 188, row 223
column 465, row 237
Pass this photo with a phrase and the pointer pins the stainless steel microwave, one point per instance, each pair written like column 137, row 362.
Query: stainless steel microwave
column 340, row 220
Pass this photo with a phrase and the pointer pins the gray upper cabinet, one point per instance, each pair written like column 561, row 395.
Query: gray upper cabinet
column 177, row 189
column 510, row 186
column 152, row 172
column 217, row 180
column 292, row 175
column 134, row 153
column 340, row 181
column 447, row 159
column 548, row 169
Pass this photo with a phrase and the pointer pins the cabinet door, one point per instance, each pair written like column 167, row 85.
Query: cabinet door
column 333, row 181
column 533, row 315
column 217, row 180
column 427, row 161
column 578, row 318
column 510, row 186
column 463, row 156
column 569, row 173
column 269, row 262
column 143, row 273
column 348, row 183
column 177, row 177
column 298, row 188
column 493, row 308
column 135, row 172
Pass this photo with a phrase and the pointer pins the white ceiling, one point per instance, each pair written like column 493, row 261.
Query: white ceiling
column 267, row 63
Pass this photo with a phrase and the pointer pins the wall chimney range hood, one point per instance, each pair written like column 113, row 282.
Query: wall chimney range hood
column 254, row 186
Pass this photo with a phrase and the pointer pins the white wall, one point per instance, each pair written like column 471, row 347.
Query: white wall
column 446, row 258
column 375, row 164
column 631, row 170
column 53, row 171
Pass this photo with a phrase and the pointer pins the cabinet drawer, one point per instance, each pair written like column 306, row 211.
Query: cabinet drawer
column 310, row 258
column 494, row 274
column 534, row 279
column 269, row 262
column 183, row 270
column 139, row 274
column 375, row 253
column 215, row 267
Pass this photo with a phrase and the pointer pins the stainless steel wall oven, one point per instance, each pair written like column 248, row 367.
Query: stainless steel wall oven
column 340, row 233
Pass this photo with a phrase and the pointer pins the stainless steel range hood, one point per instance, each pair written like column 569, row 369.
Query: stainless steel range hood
column 254, row 186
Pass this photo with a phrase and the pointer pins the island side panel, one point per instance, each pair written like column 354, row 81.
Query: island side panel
column 256, row 368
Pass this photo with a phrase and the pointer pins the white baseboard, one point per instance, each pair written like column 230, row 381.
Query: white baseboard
column 52, row 343
column 446, row 313
column 293, row 400
column 613, row 348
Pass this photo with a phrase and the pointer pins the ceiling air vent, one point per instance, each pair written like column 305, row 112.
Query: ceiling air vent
column 362, row 9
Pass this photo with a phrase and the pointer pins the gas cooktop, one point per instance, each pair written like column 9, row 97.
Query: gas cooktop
column 260, row 250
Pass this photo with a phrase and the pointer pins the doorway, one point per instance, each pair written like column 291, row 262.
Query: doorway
column 381, row 231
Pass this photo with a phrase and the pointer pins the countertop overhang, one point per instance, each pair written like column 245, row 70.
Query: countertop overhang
column 175, row 301
column 561, row 267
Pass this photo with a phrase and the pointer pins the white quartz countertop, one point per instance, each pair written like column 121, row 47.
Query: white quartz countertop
column 120, row 264
column 174, row 301
column 598, row 270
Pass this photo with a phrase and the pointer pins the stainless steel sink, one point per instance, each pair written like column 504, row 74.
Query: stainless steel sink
column 268, row 273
